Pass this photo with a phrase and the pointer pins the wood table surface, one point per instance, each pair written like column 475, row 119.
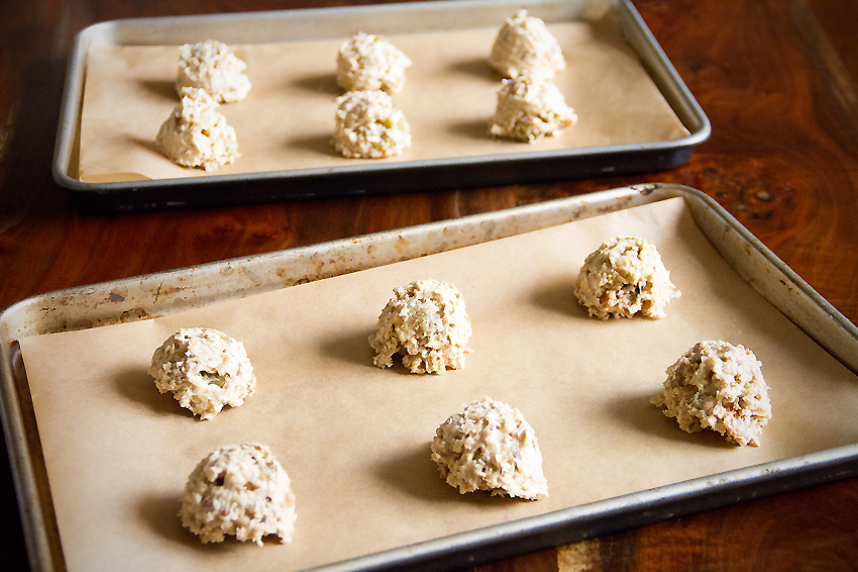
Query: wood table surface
column 777, row 79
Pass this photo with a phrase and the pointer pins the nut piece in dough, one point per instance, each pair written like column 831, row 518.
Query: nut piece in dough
column 622, row 277
column 367, row 61
column 524, row 46
column 240, row 490
column 717, row 386
column 369, row 126
column 204, row 369
column 427, row 323
column 529, row 109
column 196, row 134
column 490, row 447
column 210, row 66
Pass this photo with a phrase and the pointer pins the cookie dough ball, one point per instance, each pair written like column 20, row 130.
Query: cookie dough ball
column 529, row 109
column 525, row 47
column 204, row 369
column 369, row 126
column 717, row 386
column 490, row 447
column 622, row 277
column 210, row 66
column 367, row 61
column 426, row 322
column 240, row 490
column 196, row 134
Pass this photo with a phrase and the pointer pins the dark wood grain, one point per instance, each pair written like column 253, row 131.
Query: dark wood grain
column 778, row 80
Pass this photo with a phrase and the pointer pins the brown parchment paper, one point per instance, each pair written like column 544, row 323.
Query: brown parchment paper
column 355, row 438
column 287, row 121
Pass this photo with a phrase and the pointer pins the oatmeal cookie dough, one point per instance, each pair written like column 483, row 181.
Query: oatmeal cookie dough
column 490, row 447
column 204, row 369
column 212, row 67
column 716, row 385
column 525, row 47
column 369, row 126
column 240, row 490
column 196, row 134
column 529, row 109
column 426, row 322
column 622, row 277
column 368, row 61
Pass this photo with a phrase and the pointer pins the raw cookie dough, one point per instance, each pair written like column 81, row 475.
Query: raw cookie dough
column 204, row 369
column 369, row 126
column 367, row 61
column 239, row 490
column 718, row 386
column 490, row 447
column 622, row 277
column 427, row 323
column 210, row 66
column 528, row 109
column 524, row 46
column 196, row 134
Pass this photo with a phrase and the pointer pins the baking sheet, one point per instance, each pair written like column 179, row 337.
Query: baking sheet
column 287, row 120
column 354, row 438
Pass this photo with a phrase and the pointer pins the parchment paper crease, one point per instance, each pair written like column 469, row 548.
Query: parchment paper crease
column 287, row 121
column 355, row 438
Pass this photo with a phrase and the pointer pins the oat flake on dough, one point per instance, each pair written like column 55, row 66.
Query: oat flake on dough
column 242, row 491
column 204, row 369
column 490, row 447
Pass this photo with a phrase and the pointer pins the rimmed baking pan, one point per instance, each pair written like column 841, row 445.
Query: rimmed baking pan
column 301, row 162
column 99, row 464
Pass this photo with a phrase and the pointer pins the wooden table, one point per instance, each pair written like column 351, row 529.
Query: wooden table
column 777, row 79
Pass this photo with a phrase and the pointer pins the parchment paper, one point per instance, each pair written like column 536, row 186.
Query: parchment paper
column 355, row 438
column 287, row 121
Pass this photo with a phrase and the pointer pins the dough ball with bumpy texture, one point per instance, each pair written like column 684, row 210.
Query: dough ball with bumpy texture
column 622, row 277
column 490, row 447
column 196, row 134
column 242, row 491
column 212, row 67
column 369, row 126
column 426, row 322
column 716, row 385
column 204, row 369
column 529, row 109
column 525, row 47
column 368, row 61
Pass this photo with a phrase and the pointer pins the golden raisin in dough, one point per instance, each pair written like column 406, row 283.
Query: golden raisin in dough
column 525, row 47
column 490, row 447
column 716, row 385
column 204, row 369
column 369, row 126
column 196, row 134
column 426, row 322
column 622, row 277
column 242, row 491
column 212, row 67
column 368, row 61
column 529, row 109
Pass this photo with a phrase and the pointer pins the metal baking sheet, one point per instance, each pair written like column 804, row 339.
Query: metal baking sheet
column 529, row 165
column 167, row 293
